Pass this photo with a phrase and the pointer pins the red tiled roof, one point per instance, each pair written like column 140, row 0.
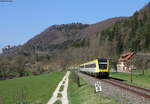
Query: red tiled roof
column 126, row 56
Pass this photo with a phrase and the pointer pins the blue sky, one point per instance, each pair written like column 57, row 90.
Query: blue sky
column 21, row 20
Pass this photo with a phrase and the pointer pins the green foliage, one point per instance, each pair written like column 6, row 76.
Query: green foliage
column 83, row 42
column 132, row 33
column 15, row 67
column 68, row 27
column 75, row 78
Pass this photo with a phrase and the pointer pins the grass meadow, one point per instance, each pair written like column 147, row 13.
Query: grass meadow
column 137, row 77
column 29, row 90
column 85, row 94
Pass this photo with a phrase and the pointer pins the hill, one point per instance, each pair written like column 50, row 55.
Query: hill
column 58, row 36
column 60, row 46
column 100, row 26
column 130, row 34
column 124, row 34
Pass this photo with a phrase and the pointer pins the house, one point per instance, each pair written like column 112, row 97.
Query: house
column 123, row 62
column 8, row 49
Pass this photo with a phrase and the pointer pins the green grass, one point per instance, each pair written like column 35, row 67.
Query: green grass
column 59, row 95
column 58, row 102
column 138, row 78
column 29, row 89
column 61, row 88
column 85, row 94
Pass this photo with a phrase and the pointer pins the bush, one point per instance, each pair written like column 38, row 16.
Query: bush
column 75, row 78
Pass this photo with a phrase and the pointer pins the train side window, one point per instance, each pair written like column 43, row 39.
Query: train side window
column 86, row 66
column 90, row 66
column 93, row 65
column 81, row 66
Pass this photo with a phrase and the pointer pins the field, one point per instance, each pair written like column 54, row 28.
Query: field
column 33, row 89
column 85, row 94
column 138, row 78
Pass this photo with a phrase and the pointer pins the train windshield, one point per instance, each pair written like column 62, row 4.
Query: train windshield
column 102, row 63
column 102, row 66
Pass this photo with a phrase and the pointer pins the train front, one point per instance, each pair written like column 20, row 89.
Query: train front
column 103, row 67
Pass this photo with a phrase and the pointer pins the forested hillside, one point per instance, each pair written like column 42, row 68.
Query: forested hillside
column 62, row 46
column 62, row 36
column 56, row 34
column 130, row 34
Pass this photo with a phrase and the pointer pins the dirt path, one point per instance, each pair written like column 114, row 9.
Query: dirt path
column 60, row 92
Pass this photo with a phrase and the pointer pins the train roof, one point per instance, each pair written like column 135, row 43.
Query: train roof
column 99, row 59
column 89, row 62
column 102, row 59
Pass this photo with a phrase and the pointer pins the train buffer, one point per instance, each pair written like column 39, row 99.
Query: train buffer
column 98, row 87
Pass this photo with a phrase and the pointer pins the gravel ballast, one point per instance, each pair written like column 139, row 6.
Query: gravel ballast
column 121, row 95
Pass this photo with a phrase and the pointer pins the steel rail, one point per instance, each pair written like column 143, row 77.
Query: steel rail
column 140, row 88
column 128, row 88
column 131, row 88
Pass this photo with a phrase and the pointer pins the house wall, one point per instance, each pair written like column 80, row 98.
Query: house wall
column 122, row 67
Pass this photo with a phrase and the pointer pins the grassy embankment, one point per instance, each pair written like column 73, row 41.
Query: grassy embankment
column 85, row 94
column 138, row 78
column 30, row 90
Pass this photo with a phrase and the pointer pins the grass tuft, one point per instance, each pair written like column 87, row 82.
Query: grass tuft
column 58, row 102
column 59, row 95
column 61, row 88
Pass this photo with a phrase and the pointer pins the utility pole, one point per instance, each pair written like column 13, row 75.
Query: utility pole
column 131, row 76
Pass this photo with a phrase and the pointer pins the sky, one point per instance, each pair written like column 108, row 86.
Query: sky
column 20, row 20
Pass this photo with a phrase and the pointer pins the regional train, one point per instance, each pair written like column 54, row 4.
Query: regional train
column 98, row 67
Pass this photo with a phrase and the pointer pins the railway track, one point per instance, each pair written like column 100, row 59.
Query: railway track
column 131, row 88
